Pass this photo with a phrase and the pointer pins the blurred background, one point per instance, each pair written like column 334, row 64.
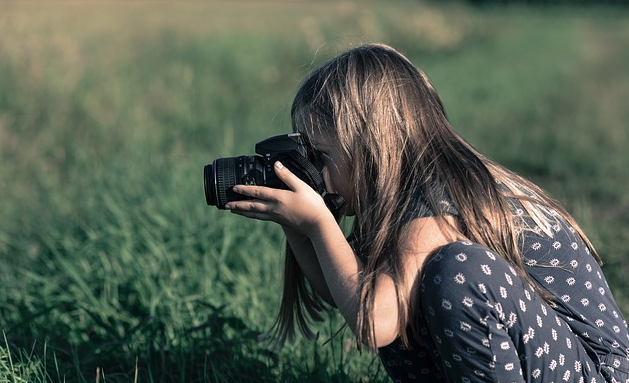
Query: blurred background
column 113, row 267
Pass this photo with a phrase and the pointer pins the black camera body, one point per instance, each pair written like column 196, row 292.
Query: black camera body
column 223, row 173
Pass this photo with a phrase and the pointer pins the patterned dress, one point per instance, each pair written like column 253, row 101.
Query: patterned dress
column 480, row 322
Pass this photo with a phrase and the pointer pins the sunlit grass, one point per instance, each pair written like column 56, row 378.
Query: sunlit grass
column 113, row 267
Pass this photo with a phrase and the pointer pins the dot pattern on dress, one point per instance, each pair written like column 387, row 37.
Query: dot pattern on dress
column 480, row 322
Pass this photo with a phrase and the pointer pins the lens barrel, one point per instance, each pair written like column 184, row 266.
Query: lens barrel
column 221, row 176
column 208, row 184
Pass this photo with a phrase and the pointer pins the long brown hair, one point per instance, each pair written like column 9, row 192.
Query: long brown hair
column 394, row 133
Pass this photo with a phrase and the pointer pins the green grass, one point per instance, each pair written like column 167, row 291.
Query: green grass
column 113, row 268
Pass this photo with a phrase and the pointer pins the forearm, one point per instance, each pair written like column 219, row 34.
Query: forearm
column 341, row 269
column 333, row 269
column 308, row 263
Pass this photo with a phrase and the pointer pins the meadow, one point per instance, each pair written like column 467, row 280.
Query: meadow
column 113, row 269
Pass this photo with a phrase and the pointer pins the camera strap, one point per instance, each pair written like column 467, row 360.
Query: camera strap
column 308, row 173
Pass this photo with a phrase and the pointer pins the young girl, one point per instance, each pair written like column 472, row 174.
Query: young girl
column 457, row 270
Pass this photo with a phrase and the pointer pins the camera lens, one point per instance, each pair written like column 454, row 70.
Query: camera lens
column 208, row 183
column 221, row 176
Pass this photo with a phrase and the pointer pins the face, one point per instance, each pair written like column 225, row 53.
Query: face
column 336, row 176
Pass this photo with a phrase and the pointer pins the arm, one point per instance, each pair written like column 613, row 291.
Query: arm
column 303, row 212
column 308, row 263
column 341, row 268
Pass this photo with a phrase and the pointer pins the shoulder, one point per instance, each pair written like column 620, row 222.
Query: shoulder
column 460, row 250
column 471, row 259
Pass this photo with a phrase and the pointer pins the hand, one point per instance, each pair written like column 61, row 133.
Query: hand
column 300, row 208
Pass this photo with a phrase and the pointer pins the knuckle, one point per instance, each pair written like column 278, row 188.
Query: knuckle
column 248, row 191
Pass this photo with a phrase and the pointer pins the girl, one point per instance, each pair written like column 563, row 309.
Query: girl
column 457, row 270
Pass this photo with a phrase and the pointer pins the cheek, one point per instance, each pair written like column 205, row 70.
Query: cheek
column 330, row 185
column 340, row 182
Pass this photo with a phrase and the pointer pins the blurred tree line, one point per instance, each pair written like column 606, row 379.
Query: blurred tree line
column 545, row 2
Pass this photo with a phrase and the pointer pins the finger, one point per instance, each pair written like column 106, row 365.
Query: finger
column 289, row 178
column 256, row 192
column 252, row 209
column 254, row 215
column 249, row 206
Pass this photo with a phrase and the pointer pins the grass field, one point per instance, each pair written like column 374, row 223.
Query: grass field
column 113, row 267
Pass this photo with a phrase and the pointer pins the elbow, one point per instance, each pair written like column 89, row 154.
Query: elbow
column 386, row 330
column 385, row 315
column 381, row 339
column 385, row 327
column 386, row 324
column 385, row 336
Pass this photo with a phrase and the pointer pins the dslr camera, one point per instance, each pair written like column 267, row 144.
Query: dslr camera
column 223, row 173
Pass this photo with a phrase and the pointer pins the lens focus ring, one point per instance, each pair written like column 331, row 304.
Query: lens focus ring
column 225, row 178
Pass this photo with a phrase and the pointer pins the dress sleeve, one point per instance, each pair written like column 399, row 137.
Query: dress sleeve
column 469, row 299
